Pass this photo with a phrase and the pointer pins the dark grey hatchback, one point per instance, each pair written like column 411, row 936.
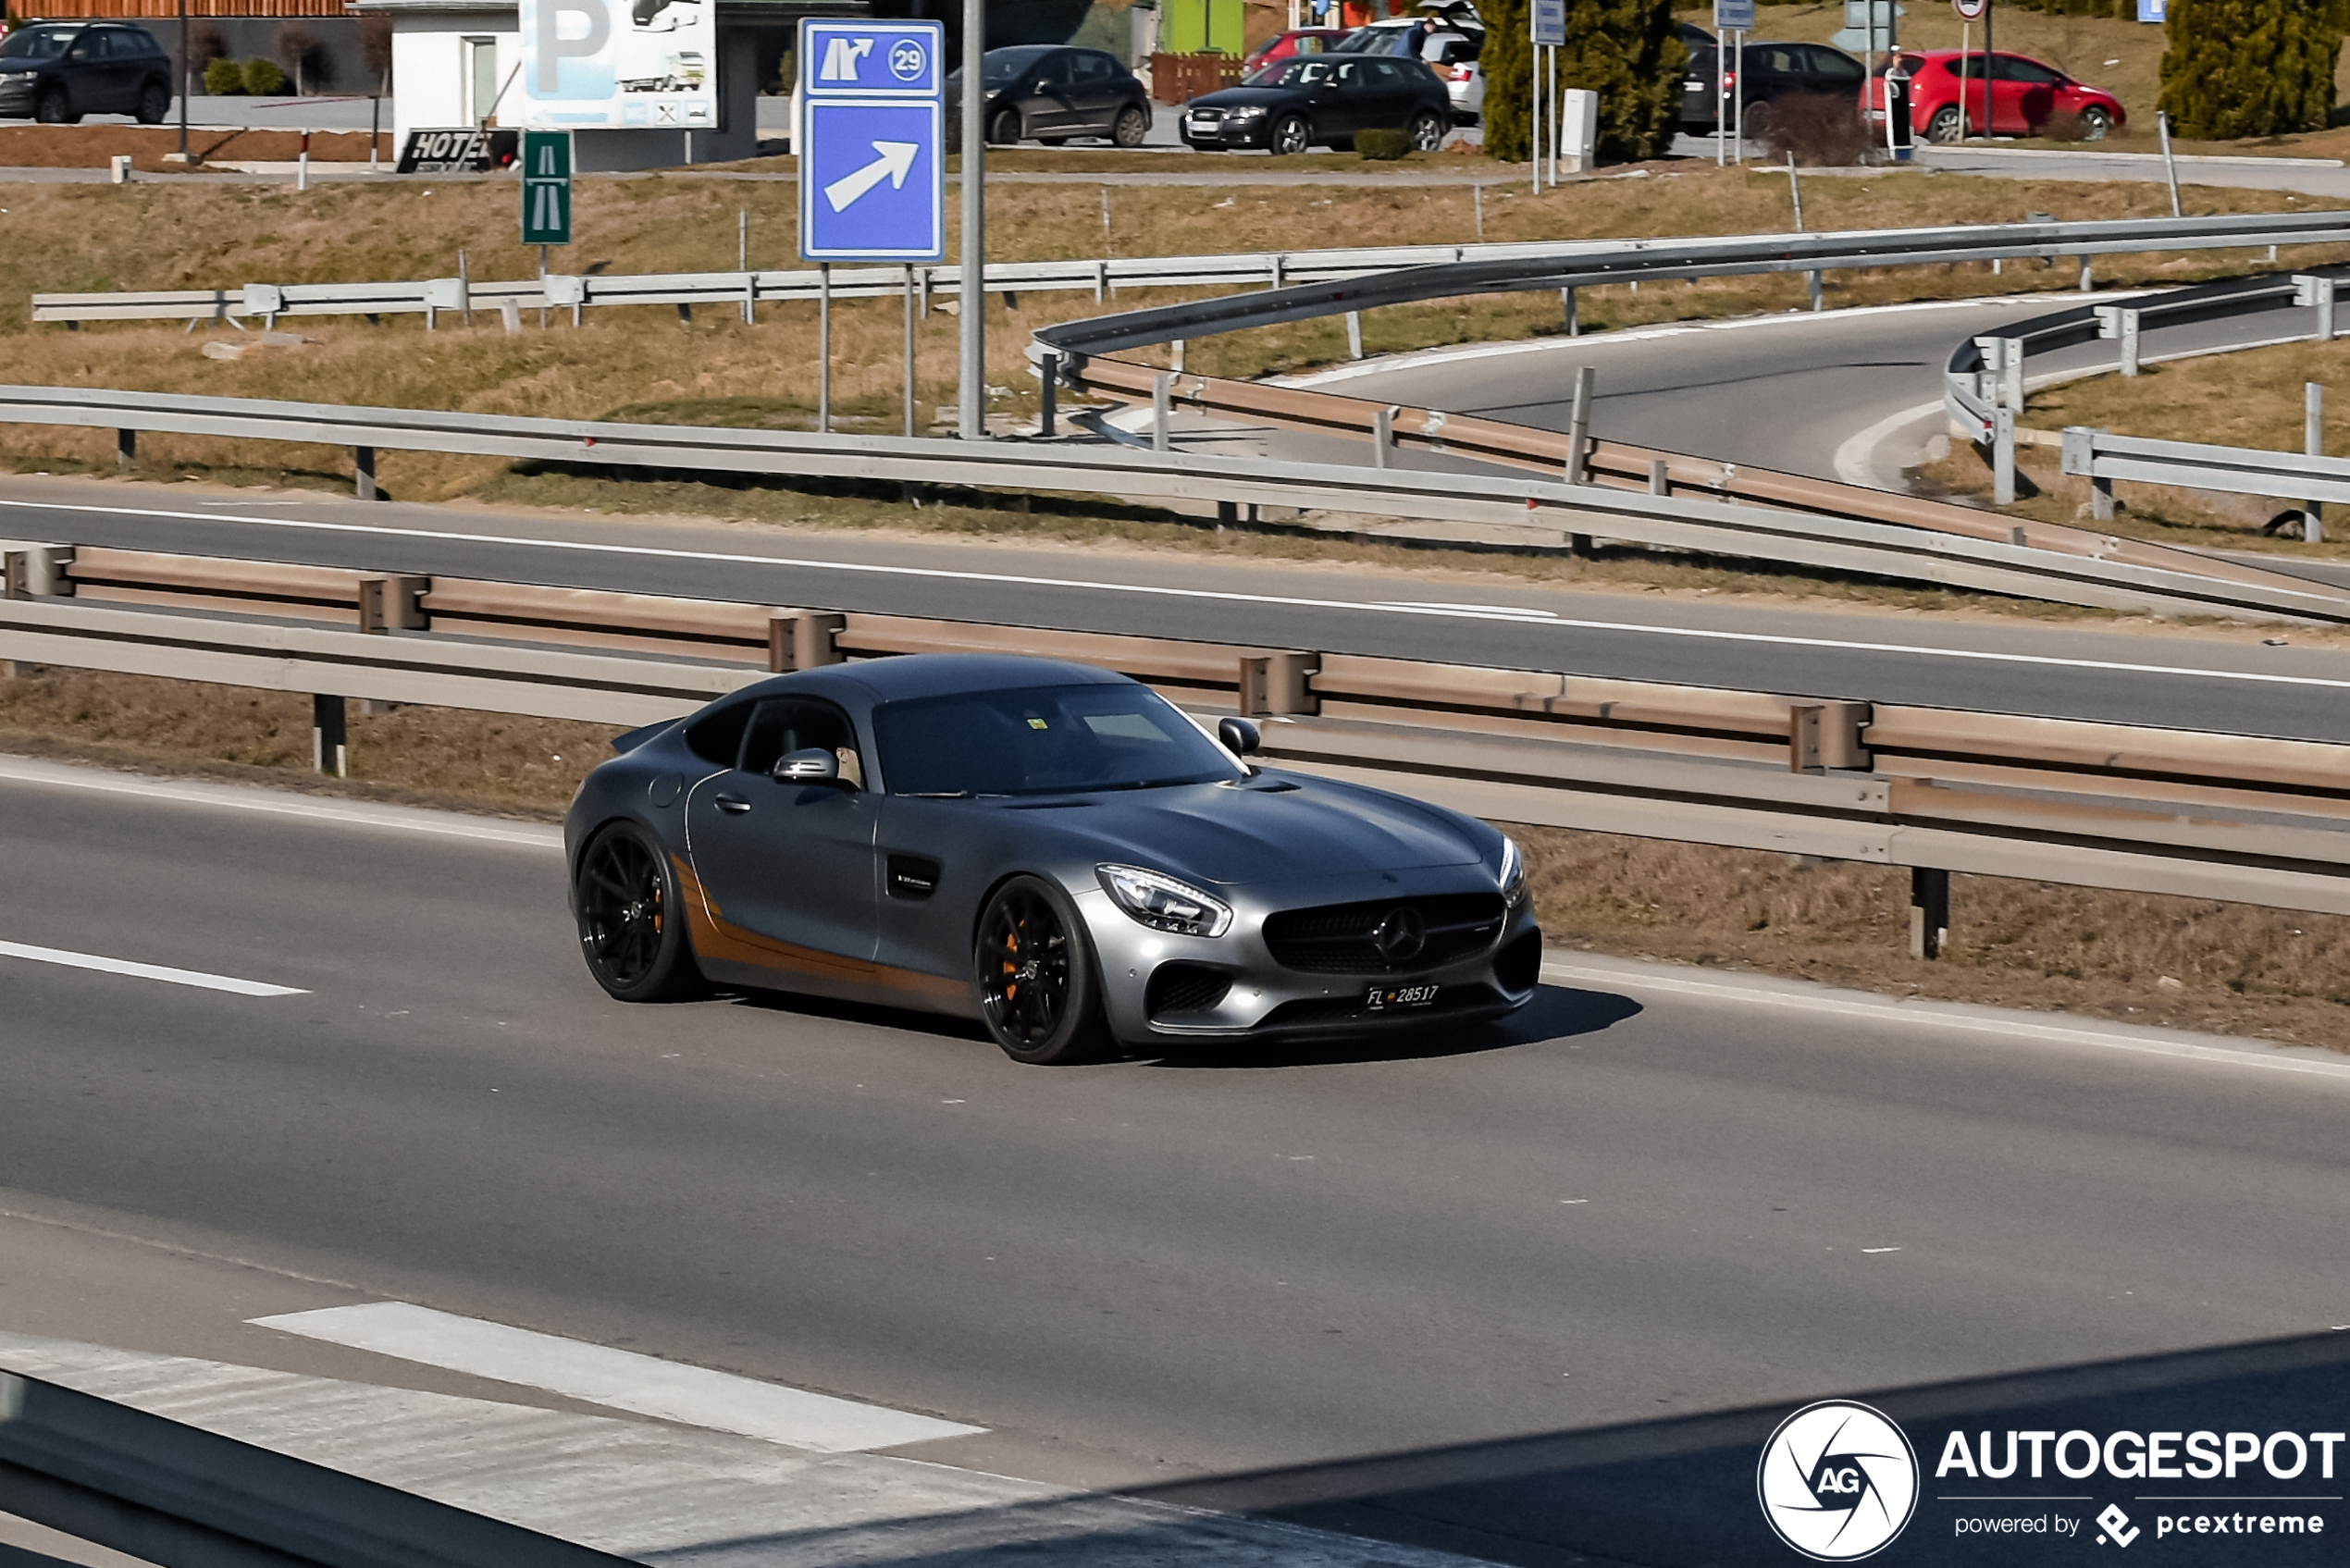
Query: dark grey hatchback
column 1322, row 100
column 56, row 72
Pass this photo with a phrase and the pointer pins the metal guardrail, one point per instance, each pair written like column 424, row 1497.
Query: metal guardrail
column 169, row 1493
column 2103, row 457
column 1388, row 275
column 1526, row 509
column 2247, row 819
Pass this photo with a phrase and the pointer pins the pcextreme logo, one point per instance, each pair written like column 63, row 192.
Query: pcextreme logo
column 1839, row 1481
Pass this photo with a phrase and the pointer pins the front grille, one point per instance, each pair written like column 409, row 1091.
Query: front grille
column 1184, row 988
column 1376, row 937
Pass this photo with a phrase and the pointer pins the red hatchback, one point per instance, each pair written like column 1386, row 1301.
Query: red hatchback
column 1947, row 94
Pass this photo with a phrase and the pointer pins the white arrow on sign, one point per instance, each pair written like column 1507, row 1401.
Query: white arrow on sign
column 896, row 162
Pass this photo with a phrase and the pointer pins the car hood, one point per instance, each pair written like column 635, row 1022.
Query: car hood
column 1232, row 836
column 1245, row 97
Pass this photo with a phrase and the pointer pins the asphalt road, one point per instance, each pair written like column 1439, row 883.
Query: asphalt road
column 2229, row 681
column 1613, row 1240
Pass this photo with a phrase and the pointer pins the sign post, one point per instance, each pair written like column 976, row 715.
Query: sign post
column 1729, row 99
column 1546, row 23
column 1970, row 12
column 873, row 180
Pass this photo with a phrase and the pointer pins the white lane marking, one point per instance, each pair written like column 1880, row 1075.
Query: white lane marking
column 103, row 965
column 1425, row 358
column 247, row 797
column 1871, row 1251
column 1928, row 1015
column 1223, row 596
column 1482, row 611
column 667, row 1390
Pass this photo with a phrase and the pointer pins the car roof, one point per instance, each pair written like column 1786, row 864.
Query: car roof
column 945, row 675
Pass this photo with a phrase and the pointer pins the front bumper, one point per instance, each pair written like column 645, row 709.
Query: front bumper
column 1144, row 970
column 1210, row 136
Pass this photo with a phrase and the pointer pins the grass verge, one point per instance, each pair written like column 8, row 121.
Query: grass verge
column 2185, row 963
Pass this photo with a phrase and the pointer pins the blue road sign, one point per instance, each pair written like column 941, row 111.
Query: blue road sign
column 872, row 122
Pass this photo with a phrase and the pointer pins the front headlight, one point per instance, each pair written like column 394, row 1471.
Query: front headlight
column 1246, row 111
column 1163, row 904
column 1513, row 873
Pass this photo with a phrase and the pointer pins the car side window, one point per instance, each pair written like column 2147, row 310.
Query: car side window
column 1349, row 74
column 1384, row 73
column 2010, row 68
column 719, row 737
column 1053, row 71
column 1836, row 66
column 1092, row 70
column 782, row 725
column 84, row 47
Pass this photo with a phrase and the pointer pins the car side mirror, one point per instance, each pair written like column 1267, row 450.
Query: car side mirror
column 815, row 765
column 1240, row 738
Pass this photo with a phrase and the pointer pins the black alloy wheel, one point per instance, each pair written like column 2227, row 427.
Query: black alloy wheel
column 1036, row 985
column 632, row 928
column 1131, row 127
column 52, row 109
column 1289, row 135
column 1426, row 132
column 1004, row 128
column 1944, row 127
column 155, row 102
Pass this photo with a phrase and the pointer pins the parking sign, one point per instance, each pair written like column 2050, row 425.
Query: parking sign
column 872, row 122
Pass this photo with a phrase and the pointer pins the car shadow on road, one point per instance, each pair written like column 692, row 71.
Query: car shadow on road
column 1555, row 1013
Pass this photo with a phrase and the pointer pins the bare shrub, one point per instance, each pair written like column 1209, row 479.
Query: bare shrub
column 374, row 37
column 304, row 55
column 1822, row 132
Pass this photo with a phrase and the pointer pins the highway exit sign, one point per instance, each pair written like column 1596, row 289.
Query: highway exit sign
column 546, row 187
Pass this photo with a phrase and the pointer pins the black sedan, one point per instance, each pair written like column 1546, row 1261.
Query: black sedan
column 1052, row 849
column 1051, row 92
column 56, row 72
column 1322, row 100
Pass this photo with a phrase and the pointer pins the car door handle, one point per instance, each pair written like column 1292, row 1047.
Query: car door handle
column 733, row 803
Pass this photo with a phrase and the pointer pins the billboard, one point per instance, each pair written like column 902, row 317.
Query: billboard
column 617, row 63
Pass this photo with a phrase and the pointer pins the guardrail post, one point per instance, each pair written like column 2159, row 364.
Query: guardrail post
column 2308, row 289
column 1048, row 398
column 329, row 740
column 1354, row 334
column 363, row 464
column 1929, row 911
column 1574, row 319
column 1818, row 300
column 803, row 639
column 1660, row 477
column 35, row 571
column 2088, row 278
column 1180, row 344
column 126, row 447
column 1821, row 736
column 1578, row 424
column 2313, row 442
column 2003, row 457
column 1383, row 433
column 1279, row 683
column 1161, row 409
column 2122, row 323
column 389, row 603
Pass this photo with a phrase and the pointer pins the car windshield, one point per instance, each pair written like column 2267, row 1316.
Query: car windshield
column 37, row 43
column 1292, row 73
column 1043, row 740
column 1003, row 65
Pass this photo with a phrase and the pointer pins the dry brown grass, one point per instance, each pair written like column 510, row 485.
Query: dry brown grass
column 2238, row 971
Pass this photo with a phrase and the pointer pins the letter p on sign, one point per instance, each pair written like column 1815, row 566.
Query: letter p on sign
column 566, row 30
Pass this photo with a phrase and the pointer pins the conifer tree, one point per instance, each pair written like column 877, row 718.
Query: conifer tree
column 2251, row 67
column 1625, row 50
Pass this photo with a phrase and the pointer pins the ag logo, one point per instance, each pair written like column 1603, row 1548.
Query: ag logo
column 1838, row 1481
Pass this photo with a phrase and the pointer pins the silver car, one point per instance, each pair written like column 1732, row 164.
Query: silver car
column 1047, row 847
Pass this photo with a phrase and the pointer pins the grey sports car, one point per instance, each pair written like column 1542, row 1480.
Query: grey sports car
column 1051, row 848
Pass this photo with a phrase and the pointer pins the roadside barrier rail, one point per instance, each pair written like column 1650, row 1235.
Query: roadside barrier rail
column 1387, row 274
column 2249, row 818
column 1523, row 510
column 2103, row 457
column 167, row 1492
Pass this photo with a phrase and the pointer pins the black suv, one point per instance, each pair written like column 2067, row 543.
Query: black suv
column 56, row 72
column 1773, row 70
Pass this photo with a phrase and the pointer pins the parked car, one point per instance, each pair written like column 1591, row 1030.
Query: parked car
column 1051, row 92
column 1448, row 44
column 1947, row 94
column 1297, row 41
column 1321, row 100
column 1052, row 849
column 56, row 72
column 1773, row 70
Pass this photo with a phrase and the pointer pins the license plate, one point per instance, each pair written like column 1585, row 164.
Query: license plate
column 1388, row 998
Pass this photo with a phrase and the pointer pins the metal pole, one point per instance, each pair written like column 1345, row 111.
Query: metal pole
column 970, row 318
column 1551, row 97
column 2169, row 164
column 1738, row 102
column 465, row 288
column 1578, row 423
column 375, row 130
column 187, row 83
column 909, row 354
column 1534, row 130
column 2313, row 442
column 1795, row 189
column 1721, row 101
column 542, row 286
column 1986, row 71
column 824, row 346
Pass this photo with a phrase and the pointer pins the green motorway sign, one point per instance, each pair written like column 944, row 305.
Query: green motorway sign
column 546, row 187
